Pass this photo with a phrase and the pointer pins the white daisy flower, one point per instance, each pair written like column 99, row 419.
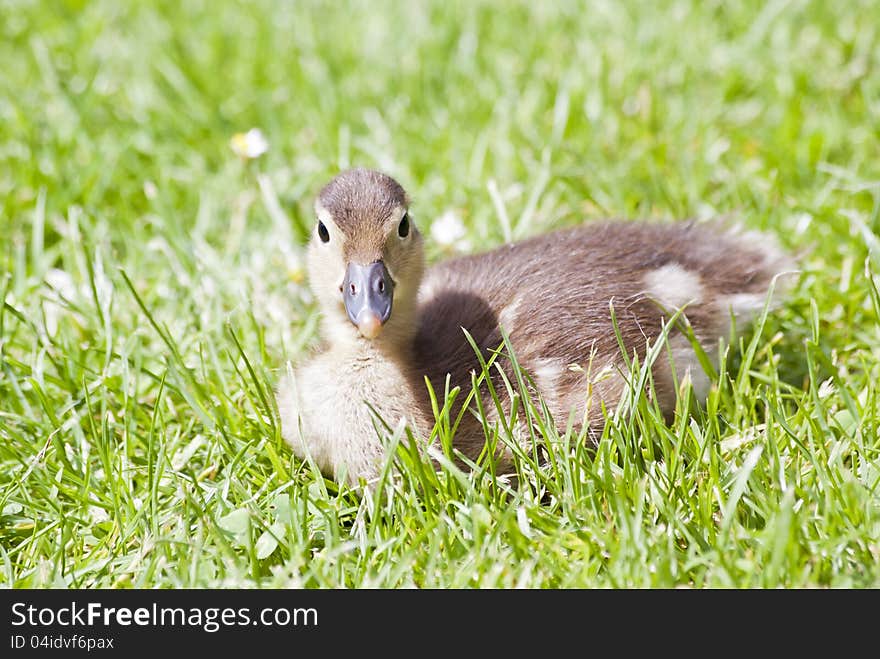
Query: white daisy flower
column 249, row 145
column 448, row 230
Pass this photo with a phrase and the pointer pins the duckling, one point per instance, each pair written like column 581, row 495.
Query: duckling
column 388, row 323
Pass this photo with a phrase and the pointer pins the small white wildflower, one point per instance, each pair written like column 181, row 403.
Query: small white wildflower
column 827, row 388
column 249, row 145
column 448, row 229
column 150, row 190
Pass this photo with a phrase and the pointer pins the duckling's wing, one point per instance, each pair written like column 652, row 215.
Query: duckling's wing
column 553, row 295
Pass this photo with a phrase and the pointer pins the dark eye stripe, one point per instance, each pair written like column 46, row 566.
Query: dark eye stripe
column 403, row 227
column 323, row 234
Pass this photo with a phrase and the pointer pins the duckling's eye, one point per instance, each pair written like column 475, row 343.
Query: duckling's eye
column 323, row 234
column 403, row 227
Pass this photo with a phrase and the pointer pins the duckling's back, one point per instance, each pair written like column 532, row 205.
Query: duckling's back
column 553, row 295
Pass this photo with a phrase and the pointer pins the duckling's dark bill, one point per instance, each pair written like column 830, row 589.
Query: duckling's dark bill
column 368, row 292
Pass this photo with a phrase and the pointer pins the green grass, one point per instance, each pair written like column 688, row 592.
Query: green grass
column 152, row 285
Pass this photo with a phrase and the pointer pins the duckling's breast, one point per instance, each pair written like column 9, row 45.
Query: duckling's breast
column 339, row 409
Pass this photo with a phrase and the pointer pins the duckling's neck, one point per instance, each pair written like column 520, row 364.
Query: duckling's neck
column 367, row 351
column 392, row 345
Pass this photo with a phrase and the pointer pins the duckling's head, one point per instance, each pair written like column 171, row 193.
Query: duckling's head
column 365, row 260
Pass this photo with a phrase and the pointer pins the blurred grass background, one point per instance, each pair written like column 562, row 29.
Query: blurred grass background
column 153, row 284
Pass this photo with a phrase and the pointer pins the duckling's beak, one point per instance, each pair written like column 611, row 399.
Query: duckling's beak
column 368, row 291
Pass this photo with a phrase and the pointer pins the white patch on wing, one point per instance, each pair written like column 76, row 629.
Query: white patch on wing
column 546, row 373
column 674, row 286
column 687, row 366
column 508, row 315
